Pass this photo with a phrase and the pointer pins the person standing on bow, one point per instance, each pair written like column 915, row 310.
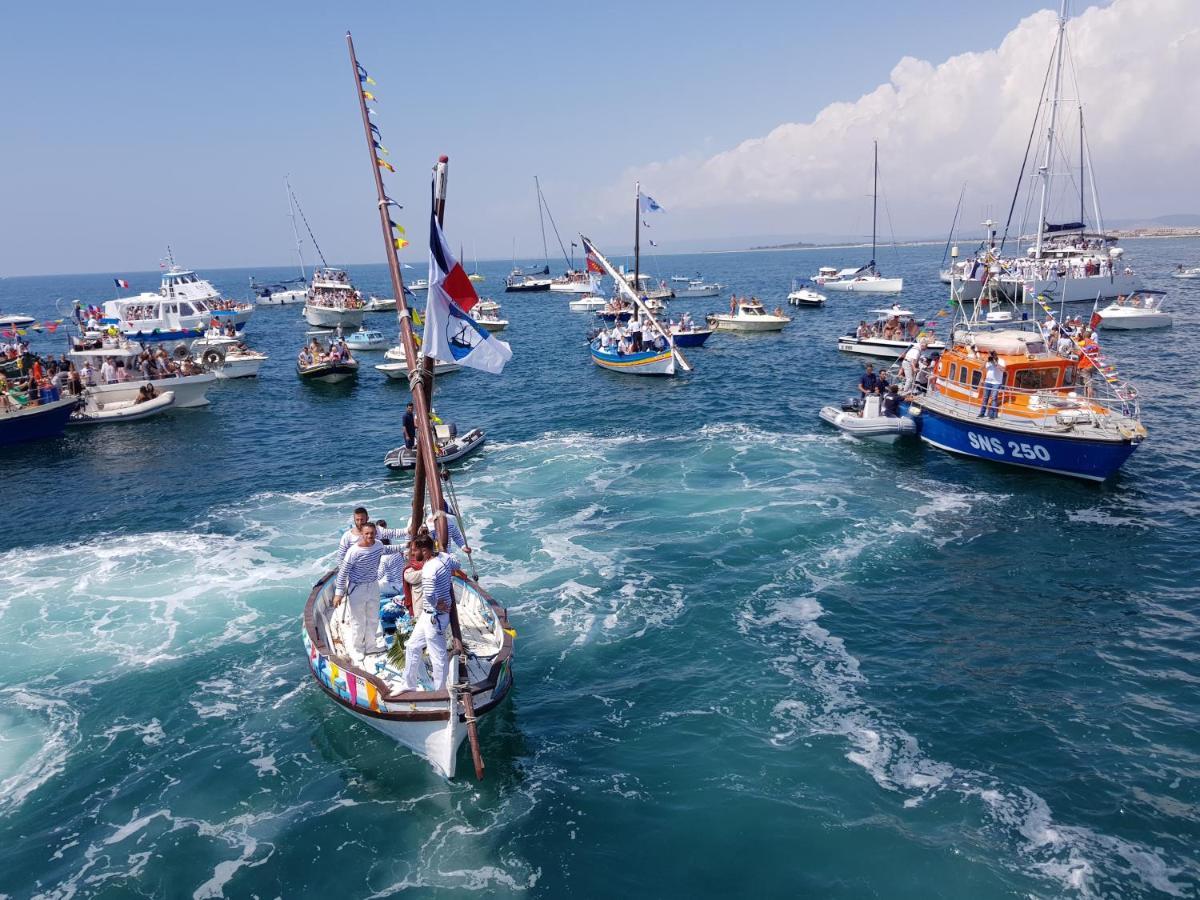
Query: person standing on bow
column 358, row 584
column 433, row 622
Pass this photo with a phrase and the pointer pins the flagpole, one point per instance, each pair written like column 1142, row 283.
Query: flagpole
column 425, row 449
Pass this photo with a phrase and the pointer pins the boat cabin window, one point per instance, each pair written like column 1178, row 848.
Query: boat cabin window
column 953, row 370
column 1068, row 376
column 975, row 378
column 1035, row 379
column 962, row 375
column 171, row 308
column 185, row 308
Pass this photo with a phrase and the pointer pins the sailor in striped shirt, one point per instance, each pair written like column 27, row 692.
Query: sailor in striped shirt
column 361, row 518
column 358, row 583
column 433, row 624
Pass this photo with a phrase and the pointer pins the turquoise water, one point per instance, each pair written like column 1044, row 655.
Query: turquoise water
column 753, row 656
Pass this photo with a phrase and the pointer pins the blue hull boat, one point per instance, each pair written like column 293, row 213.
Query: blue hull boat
column 692, row 338
column 1077, row 457
column 33, row 423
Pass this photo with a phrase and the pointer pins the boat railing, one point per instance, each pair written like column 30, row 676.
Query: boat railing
column 1070, row 404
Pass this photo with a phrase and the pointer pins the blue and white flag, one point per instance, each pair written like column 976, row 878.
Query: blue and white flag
column 451, row 335
column 649, row 204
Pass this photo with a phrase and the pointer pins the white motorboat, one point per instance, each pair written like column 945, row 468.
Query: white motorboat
column 487, row 314
column 96, row 412
column 189, row 390
column 421, row 284
column 748, row 315
column 1138, row 311
column 1181, row 272
column 894, row 331
column 591, row 303
column 332, row 300
column 231, row 360
column 805, row 296
column 399, row 371
column 449, row 444
column 365, row 339
column 699, row 288
column 523, row 282
column 380, row 304
column 576, row 283
column 648, row 289
column 15, row 320
column 681, row 278
column 280, row 293
column 868, row 422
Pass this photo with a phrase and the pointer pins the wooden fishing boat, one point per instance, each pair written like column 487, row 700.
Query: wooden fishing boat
column 434, row 722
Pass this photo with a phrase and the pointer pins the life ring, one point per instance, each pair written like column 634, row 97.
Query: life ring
column 181, row 353
column 212, row 357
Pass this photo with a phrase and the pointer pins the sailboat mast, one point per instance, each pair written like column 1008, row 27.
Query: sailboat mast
column 637, row 236
column 425, row 450
column 1048, row 159
column 542, row 222
column 874, row 205
column 1081, row 163
column 295, row 231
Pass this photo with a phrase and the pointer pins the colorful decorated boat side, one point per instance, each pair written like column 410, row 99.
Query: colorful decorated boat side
column 1000, row 393
column 432, row 722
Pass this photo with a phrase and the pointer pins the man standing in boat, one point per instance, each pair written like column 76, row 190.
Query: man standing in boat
column 358, row 584
column 410, row 428
column 993, row 380
column 432, row 625
column 362, row 519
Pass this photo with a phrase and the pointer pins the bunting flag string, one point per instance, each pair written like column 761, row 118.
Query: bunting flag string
column 398, row 239
column 369, row 97
column 1106, row 369
column 384, row 164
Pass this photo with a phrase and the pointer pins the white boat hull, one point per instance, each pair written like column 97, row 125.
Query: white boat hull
column 283, row 298
column 355, row 346
column 244, row 367
column 574, row 287
column 1133, row 320
column 587, row 304
column 115, row 411
column 878, row 348
column 806, row 298
column 399, row 370
column 881, row 429
column 332, row 317
column 189, row 390
column 1086, row 289
column 866, row 285
column 380, row 304
column 493, row 325
column 748, row 324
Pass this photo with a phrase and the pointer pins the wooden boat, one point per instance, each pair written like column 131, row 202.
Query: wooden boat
column 432, row 723
column 33, row 422
column 93, row 412
column 451, row 447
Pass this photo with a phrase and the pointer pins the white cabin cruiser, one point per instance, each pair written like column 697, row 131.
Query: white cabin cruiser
column 332, row 300
column 397, row 365
column 648, row 289
column 590, row 303
column 802, row 295
column 697, row 287
column 748, row 315
column 1140, row 310
column 576, row 283
column 487, row 314
column 893, row 332
column 282, row 293
column 228, row 361
column 189, row 390
column 366, row 339
column 183, row 308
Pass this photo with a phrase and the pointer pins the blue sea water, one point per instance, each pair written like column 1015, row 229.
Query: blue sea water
column 754, row 657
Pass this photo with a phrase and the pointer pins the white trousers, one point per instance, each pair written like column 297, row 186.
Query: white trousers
column 426, row 634
column 363, row 616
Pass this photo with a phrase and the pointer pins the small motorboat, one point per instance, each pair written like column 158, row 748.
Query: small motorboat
column 588, row 304
column 451, row 447
column 699, row 288
column 487, row 314
column 1137, row 311
column 15, row 320
column 803, row 295
column 421, row 284
column 1181, row 272
column 681, row 278
column 749, row 315
column 365, row 339
column 329, row 372
column 616, row 311
column 864, row 421
column 690, row 336
column 95, row 412
column 380, row 304
column 232, row 361
column 903, row 333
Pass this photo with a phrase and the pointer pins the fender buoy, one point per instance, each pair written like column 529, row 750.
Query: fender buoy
column 212, row 357
column 181, row 353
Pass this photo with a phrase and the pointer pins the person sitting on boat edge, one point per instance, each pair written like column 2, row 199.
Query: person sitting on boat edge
column 869, row 383
column 358, row 583
column 431, row 626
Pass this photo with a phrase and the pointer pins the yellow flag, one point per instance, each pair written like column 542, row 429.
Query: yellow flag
column 400, row 243
column 399, row 230
column 384, row 164
column 511, row 632
column 370, row 80
column 416, row 318
column 382, row 149
column 367, row 95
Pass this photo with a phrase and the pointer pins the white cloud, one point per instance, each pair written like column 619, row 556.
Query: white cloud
column 1136, row 62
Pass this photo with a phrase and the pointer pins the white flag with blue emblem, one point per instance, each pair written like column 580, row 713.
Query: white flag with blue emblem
column 649, row 204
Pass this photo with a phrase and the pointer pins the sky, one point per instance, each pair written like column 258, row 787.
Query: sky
column 130, row 127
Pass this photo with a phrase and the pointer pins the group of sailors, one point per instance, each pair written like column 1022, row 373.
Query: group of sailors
column 408, row 568
column 335, row 299
column 315, row 353
column 637, row 336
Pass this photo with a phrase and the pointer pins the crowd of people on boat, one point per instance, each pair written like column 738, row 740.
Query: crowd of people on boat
column 332, row 298
column 410, row 571
column 635, row 336
column 1070, row 267
column 892, row 328
column 315, row 353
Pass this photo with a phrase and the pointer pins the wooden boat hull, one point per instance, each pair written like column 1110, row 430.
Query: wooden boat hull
column 692, row 338
column 34, row 423
column 652, row 363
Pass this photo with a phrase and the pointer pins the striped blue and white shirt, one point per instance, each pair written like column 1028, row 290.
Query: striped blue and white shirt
column 436, row 584
column 350, row 538
column 361, row 564
column 391, row 568
column 455, row 533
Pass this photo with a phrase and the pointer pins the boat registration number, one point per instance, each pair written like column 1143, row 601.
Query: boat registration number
column 1015, row 449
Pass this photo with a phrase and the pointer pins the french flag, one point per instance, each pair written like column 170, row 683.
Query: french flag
column 121, row 282
column 451, row 335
